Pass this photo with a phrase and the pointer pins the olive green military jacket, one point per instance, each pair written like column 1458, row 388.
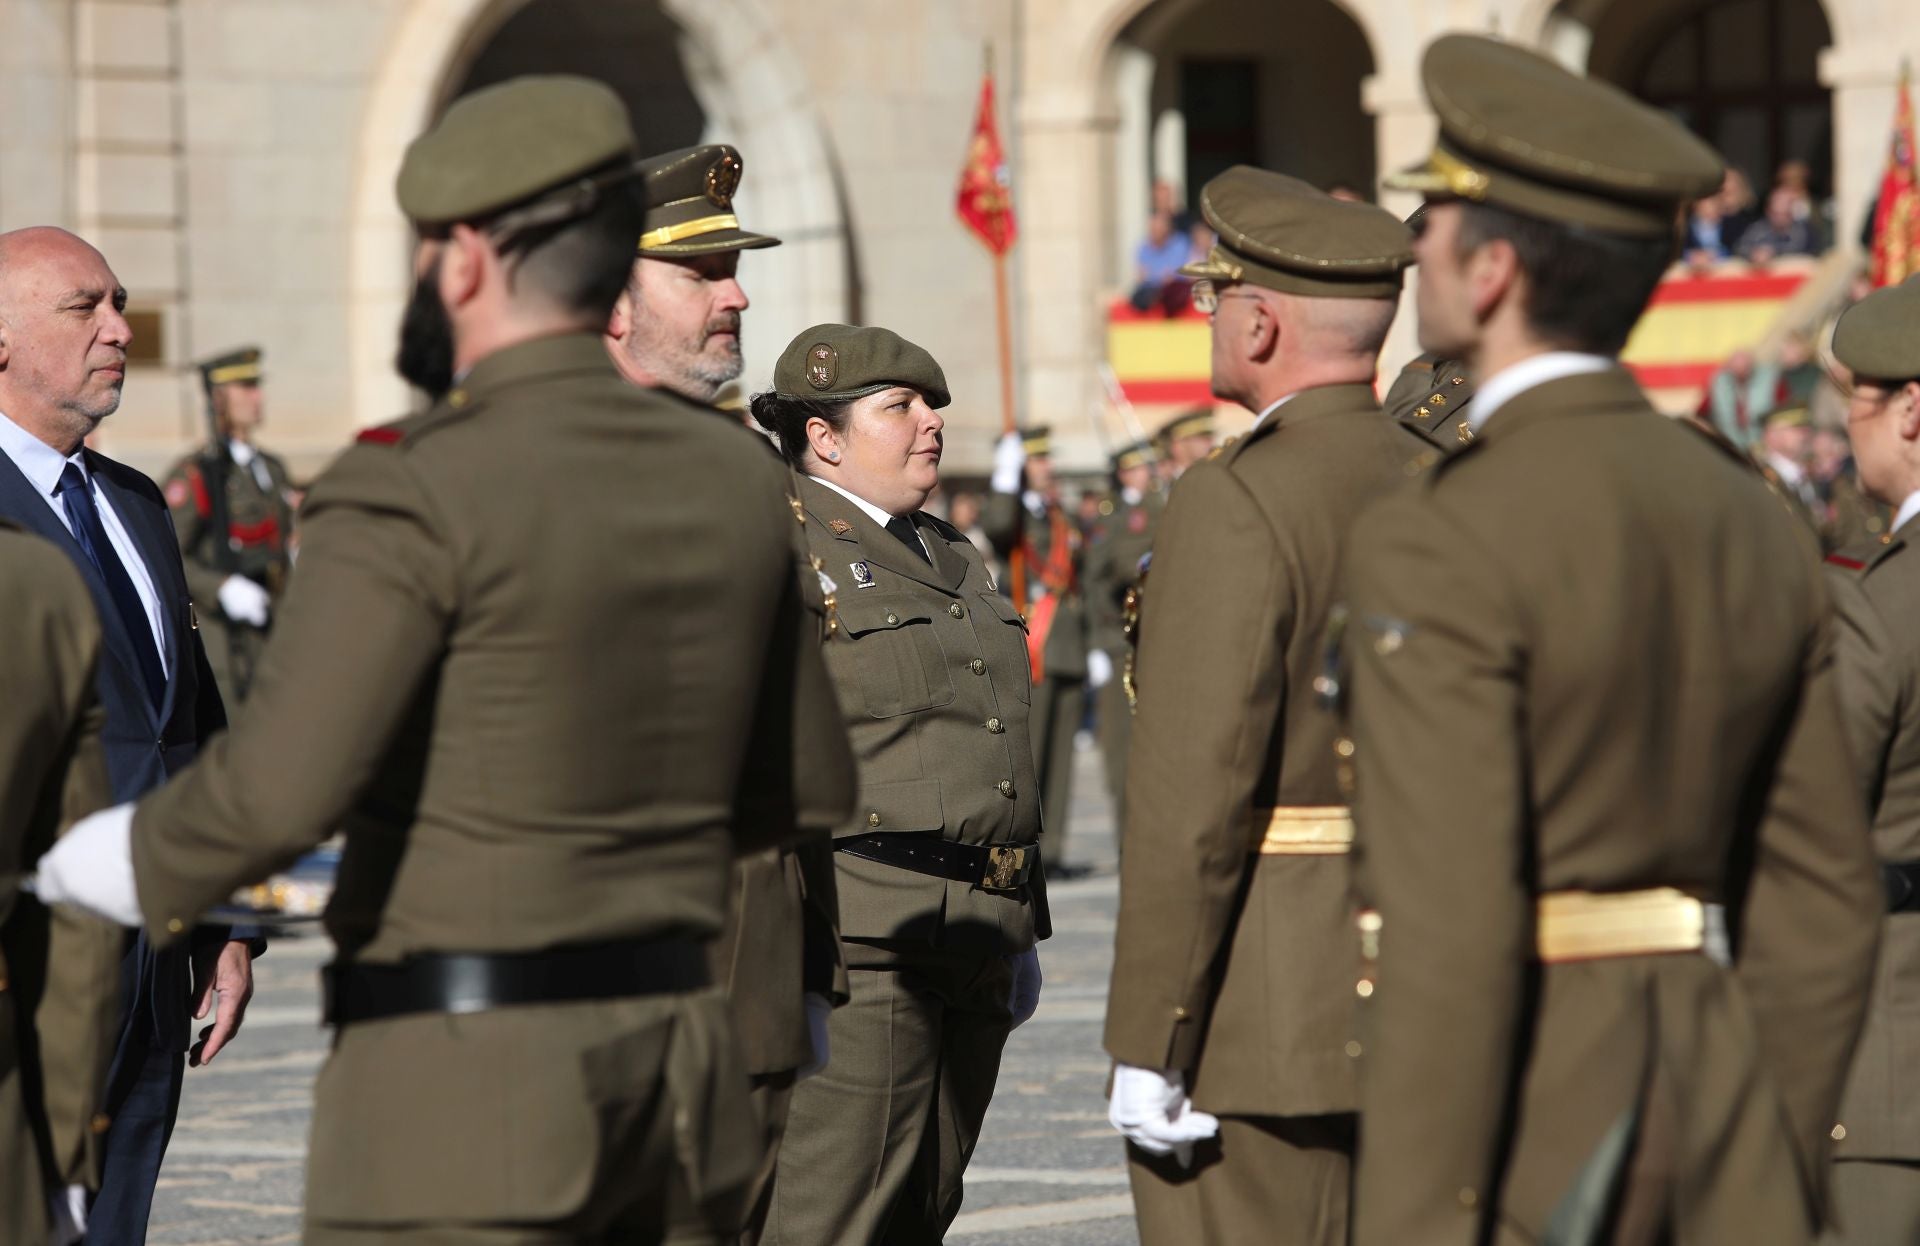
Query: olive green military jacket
column 59, row 972
column 1633, row 689
column 1235, row 968
column 930, row 662
column 1430, row 396
column 1876, row 595
column 1113, row 566
column 1008, row 524
column 547, row 662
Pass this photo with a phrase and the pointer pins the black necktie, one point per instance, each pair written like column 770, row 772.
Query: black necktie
column 85, row 518
column 902, row 527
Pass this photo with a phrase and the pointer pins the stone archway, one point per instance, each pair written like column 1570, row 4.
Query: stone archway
column 752, row 94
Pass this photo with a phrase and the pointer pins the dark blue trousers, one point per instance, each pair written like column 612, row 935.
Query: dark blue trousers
column 147, row 1088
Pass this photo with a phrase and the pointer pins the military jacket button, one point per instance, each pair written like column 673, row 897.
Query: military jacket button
column 957, row 610
column 977, row 666
column 873, row 819
column 995, row 726
column 1006, row 787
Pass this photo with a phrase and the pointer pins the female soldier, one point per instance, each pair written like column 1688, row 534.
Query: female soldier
column 941, row 894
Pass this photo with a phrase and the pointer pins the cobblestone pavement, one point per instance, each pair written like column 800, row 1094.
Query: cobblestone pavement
column 1048, row 1169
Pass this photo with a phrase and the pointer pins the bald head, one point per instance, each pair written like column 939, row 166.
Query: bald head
column 63, row 335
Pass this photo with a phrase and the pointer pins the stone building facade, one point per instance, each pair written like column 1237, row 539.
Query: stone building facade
column 235, row 158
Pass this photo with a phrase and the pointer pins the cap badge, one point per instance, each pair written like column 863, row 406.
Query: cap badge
column 722, row 180
column 839, row 527
column 823, row 365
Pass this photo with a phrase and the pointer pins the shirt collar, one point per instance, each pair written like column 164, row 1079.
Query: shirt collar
column 1132, row 497
column 873, row 512
column 243, row 454
column 39, row 462
column 1908, row 509
column 1530, row 373
column 1789, row 471
column 1273, row 406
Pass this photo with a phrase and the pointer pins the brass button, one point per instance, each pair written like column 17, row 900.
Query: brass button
column 175, row 925
column 1344, row 747
column 995, row 726
column 1839, row 1133
column 1006, row 787
column 101, row 1123
column 957, row 610
column 977, row 666
column 1370, row 921
column 1353, row 1048
column 1180, row 1013
column 1364, row 989
column 873, row 819
column 457, row 399
column 892, row 618
column 1469, row 1198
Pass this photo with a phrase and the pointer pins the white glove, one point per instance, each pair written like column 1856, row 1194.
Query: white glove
column 1099, row 668
column 243, row 601
column 91, row 867
column 68, row 1205
column 819, row 1011
column 1150, row 1108
column 1009, row 463
column 1024, row 998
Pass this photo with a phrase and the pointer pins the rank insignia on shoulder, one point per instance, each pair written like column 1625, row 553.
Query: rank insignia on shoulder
column 839, row 527
column 862, row 574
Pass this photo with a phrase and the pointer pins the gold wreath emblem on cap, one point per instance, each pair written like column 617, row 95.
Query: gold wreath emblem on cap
column 723, row 179
column 823, row 364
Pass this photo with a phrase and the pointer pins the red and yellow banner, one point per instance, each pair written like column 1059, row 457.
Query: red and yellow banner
column 985, row 200
column 1896, row 217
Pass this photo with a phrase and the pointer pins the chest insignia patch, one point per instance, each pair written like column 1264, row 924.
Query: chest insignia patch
column 862, row 574
column 839, row 527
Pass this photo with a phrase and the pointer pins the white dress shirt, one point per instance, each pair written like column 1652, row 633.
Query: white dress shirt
column 42, row 465
column 874, row 513
column 1273, row 406
column 1908, row 509
column 1510, row 382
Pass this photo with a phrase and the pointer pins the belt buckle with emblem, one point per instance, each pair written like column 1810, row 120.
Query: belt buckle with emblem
column 1003, row 868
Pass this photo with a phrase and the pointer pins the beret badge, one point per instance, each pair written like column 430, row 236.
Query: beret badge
column 823, row 365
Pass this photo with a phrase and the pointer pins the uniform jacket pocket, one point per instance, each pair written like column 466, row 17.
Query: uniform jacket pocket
column 899, row 664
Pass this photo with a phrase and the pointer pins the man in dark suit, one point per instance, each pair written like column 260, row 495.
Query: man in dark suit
column 63, row 355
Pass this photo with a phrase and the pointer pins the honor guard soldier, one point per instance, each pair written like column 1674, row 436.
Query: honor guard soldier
column 1114, row 556
column 1027, row 526
column 233, row 505
column 543, row 759
column 942, row 894
column 1876, row 593
column 1234, row 956
column 1184, row 441
column 59, row 970
column 1625, row 917
column 676, row 329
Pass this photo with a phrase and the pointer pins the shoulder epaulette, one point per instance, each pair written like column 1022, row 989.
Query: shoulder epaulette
column 453, row 408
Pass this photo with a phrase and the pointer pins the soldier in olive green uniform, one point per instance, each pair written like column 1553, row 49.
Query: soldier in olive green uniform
column 59, row 970
column 1234, row 952
column 1876, row 593
column 676, row 328
column 1431, row 395
column 1184, row 440
column 1026, row 525
column 232, row 505
column 1577, row 738
column 1119, row 543
column 941, row 891
column 543, row 759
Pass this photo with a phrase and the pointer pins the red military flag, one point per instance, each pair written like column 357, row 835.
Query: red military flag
column 1896, row 219
column 985, row 201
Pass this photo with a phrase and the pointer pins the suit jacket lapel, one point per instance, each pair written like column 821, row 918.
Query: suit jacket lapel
column 21, row 503
column 155, row 548
column 949, row 566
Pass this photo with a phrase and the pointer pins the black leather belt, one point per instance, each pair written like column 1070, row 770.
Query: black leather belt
column 990, row 867
column 1902, row 881
column 475, row 982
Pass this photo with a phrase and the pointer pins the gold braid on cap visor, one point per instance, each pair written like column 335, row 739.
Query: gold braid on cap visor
column 666, row 235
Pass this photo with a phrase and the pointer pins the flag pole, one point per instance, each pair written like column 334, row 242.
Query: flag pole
column 1003, row 323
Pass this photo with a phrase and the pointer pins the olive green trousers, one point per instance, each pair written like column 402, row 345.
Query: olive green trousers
column 1265, row 1181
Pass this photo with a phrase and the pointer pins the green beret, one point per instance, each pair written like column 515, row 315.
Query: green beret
column 835, row 362
column 511, row 144
column 690, row 203
column 1519, row 131
column 1878, row 338
column 240, row 366
column 1279, row 232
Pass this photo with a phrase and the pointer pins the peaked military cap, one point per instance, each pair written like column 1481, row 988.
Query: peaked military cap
column 1282, row 233
column 1791, row 416
column 690, row 203
column 531, row 151
column 1037, row 440
column 1878, row 338
column 1138, row 454
column 240, row 366
column 835, row 362
column 1195, row 423
column 1520, row 131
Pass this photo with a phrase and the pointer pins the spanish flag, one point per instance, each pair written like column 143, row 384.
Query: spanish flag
column 985, row 201
column 1896, row 219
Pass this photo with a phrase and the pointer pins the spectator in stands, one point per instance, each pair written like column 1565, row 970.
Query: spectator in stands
column 1781, row 232
column 1200, row 240
column 1796, row 179
column 1157, row 265
column 1166, row 198
column 1740, row 393
column 1736, row 206
column 1707, row 242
